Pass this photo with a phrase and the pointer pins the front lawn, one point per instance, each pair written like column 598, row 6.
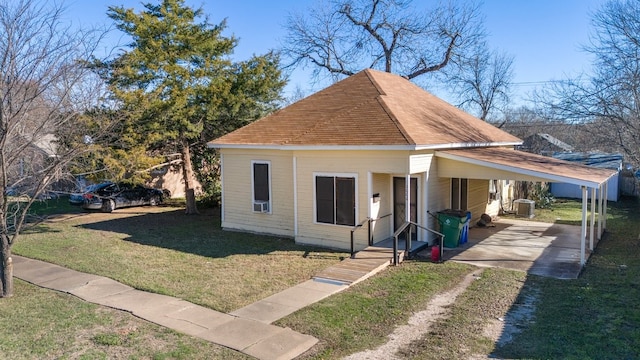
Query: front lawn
column 162, row 250
column 43, row 324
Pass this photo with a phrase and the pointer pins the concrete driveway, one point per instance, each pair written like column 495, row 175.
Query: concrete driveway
column 551, row 250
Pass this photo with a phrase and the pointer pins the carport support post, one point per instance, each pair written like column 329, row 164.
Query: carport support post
column 600, row 211
column 604, row 207
column 592, row 227
column 407, row 199
column 583, row 227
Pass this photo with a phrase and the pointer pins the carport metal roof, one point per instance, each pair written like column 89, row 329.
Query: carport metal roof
column 509, row 164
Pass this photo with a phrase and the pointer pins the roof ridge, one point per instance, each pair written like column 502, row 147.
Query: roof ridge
column 345, row 111
column 369, row 73
column 395, row 120
column 392, row 116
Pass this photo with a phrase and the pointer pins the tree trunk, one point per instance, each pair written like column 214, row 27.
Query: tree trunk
column 187, row 176
column 6, row 269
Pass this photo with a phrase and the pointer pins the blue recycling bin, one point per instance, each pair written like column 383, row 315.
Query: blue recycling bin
column 464, row 235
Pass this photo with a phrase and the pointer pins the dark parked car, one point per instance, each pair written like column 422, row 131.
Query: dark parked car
column 121, row 195
column 78, row 198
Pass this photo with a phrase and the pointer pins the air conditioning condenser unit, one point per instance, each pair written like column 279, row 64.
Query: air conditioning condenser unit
column 524, row 207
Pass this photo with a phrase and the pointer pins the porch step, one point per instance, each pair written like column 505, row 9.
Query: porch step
column 365, row 264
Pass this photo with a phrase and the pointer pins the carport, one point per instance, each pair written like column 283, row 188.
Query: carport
column 493, row 163
column 537, row 248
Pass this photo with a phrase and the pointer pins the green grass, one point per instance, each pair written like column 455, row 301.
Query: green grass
column 562, row 211
column 43, row 324
column 593, row 317
column 162, row 250
column 361, row 317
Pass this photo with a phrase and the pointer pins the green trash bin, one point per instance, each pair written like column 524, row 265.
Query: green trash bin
column 451, row 224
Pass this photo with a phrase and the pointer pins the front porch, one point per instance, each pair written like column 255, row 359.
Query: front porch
column 367, row 262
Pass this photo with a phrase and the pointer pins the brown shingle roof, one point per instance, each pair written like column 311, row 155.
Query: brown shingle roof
column 531, row 164
column 371, row 108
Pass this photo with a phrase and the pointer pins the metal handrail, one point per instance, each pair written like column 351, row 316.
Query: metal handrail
column 372, row 220
column 406, row 227
column 368, row 221
column 353, row 251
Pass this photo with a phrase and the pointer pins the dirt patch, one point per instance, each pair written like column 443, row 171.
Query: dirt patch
column 502, row 330
column 418, row 324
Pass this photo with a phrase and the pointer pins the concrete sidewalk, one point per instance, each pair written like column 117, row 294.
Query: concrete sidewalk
column 288, row 301
column 248, row 330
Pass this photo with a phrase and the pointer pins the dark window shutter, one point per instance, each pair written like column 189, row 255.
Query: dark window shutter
column 324, row 199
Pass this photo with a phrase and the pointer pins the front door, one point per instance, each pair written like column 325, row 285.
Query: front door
column 399, row 206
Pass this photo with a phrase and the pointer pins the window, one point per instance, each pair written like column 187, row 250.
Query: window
column 459, row 193
column 261, row 186
column 336, row 200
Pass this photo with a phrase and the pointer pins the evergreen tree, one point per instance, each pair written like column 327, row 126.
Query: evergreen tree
column 178, row 87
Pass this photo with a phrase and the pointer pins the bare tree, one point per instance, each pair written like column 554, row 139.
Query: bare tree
column 606, row 102
column 482, row 82
column 342, row 37
column 40, row 70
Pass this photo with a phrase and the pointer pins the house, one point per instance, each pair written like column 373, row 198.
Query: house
column 539, row 143
column 25, row 156
column 372, row 149
column 544, row 144
column 169, row 178
column 597, row 160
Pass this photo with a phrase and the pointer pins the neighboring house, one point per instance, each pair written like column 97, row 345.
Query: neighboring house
column 596, row 160
column 169, row 178
column 27, row 157
column 372, row 146
column 544, row 144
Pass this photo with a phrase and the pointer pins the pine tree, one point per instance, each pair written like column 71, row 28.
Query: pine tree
column 179, row 87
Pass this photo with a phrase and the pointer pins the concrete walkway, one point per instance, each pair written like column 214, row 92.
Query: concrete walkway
column 247, row 330
column 289, row 301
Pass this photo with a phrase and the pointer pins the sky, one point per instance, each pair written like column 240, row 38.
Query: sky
column 545, row 37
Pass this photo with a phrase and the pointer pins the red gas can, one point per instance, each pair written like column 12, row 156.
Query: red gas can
column 435, row 253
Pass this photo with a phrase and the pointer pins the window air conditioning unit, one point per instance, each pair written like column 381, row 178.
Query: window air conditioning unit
column 261, row 206
column 524, row 207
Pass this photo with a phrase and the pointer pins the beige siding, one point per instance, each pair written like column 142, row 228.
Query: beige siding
column 478, row 197
column 457, row 169
column 382, row 228
column 238, row 202
column 439, row 196
column 350, row 163
column 420, row 163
